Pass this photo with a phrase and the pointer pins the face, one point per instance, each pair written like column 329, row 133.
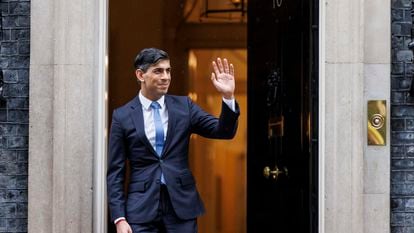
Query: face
column 156, row 80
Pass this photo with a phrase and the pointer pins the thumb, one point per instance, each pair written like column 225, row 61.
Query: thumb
column 213, row 79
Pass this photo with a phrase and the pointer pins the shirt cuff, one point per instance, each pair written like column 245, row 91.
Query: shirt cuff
column 119, row 219
column 231, row 103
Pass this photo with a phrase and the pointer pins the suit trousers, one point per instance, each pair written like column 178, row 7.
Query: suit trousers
column 167, row 220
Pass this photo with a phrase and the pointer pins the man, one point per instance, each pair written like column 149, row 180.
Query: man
column 152, row 131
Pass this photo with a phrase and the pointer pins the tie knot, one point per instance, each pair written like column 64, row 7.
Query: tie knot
column 155, row 105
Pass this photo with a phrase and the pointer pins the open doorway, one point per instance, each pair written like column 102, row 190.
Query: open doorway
column 192, row 42
column 282, row 126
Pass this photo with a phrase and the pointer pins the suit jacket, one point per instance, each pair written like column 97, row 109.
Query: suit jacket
column 128, row 141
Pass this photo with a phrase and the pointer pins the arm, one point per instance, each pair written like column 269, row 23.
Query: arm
column 116, row 169
column 209, row 126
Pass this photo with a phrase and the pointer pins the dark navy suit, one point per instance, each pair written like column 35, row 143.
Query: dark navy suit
column 128, row 141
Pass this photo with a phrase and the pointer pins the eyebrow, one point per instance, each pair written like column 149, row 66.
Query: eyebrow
column 160, row 68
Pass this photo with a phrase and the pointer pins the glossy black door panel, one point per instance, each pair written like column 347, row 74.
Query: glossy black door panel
column 282, row 116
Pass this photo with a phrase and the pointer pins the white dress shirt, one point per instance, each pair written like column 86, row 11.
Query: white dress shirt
column 148, row 117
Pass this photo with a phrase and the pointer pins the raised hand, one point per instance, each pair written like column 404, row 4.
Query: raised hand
column 223, row 78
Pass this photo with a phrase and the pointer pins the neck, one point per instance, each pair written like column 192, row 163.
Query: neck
column 150, row 97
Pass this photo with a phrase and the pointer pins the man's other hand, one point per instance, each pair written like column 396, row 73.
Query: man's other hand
column 123, row 227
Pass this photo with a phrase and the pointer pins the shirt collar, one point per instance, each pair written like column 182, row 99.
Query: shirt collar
column 147, row 102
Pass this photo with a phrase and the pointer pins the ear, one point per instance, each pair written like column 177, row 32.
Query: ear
column 139, row 74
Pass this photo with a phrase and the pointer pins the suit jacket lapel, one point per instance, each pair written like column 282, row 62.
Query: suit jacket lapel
column 137, row 118
column 172, row 116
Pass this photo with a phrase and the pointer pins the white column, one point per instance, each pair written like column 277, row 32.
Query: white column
column 40, row 209
column 377, row 86
column 355, row 47
column 343, row 117
column 66, row 58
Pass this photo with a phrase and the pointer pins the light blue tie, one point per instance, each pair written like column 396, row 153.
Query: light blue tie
column 159, row 132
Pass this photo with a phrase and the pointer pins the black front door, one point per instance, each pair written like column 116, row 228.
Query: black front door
column 282, row 169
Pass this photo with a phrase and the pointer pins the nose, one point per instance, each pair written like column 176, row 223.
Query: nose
column 166, row 75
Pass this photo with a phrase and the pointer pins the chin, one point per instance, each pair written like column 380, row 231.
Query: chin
column 163, row 92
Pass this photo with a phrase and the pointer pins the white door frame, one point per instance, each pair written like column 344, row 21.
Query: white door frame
column 100, row 211
column 321, row 120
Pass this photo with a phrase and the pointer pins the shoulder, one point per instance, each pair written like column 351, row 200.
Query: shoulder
column 124, row 109
column 178, row 99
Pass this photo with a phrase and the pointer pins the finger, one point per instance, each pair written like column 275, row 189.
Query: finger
column 220, row 65
column 231, row 70
column 226, row 66
column 216, row 70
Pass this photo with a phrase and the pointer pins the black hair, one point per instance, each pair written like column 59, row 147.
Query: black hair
column 148, row 57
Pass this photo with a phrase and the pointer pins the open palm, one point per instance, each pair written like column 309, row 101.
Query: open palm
column 223, row 78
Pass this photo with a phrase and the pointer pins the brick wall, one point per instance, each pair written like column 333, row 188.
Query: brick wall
column 402, row 120
column 14, row 114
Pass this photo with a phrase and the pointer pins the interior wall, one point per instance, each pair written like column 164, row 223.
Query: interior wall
column 220, row 169
column 133, row 25
column 137, row 24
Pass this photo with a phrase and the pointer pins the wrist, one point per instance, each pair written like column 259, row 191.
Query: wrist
column 228, row 97
column 119, row 221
